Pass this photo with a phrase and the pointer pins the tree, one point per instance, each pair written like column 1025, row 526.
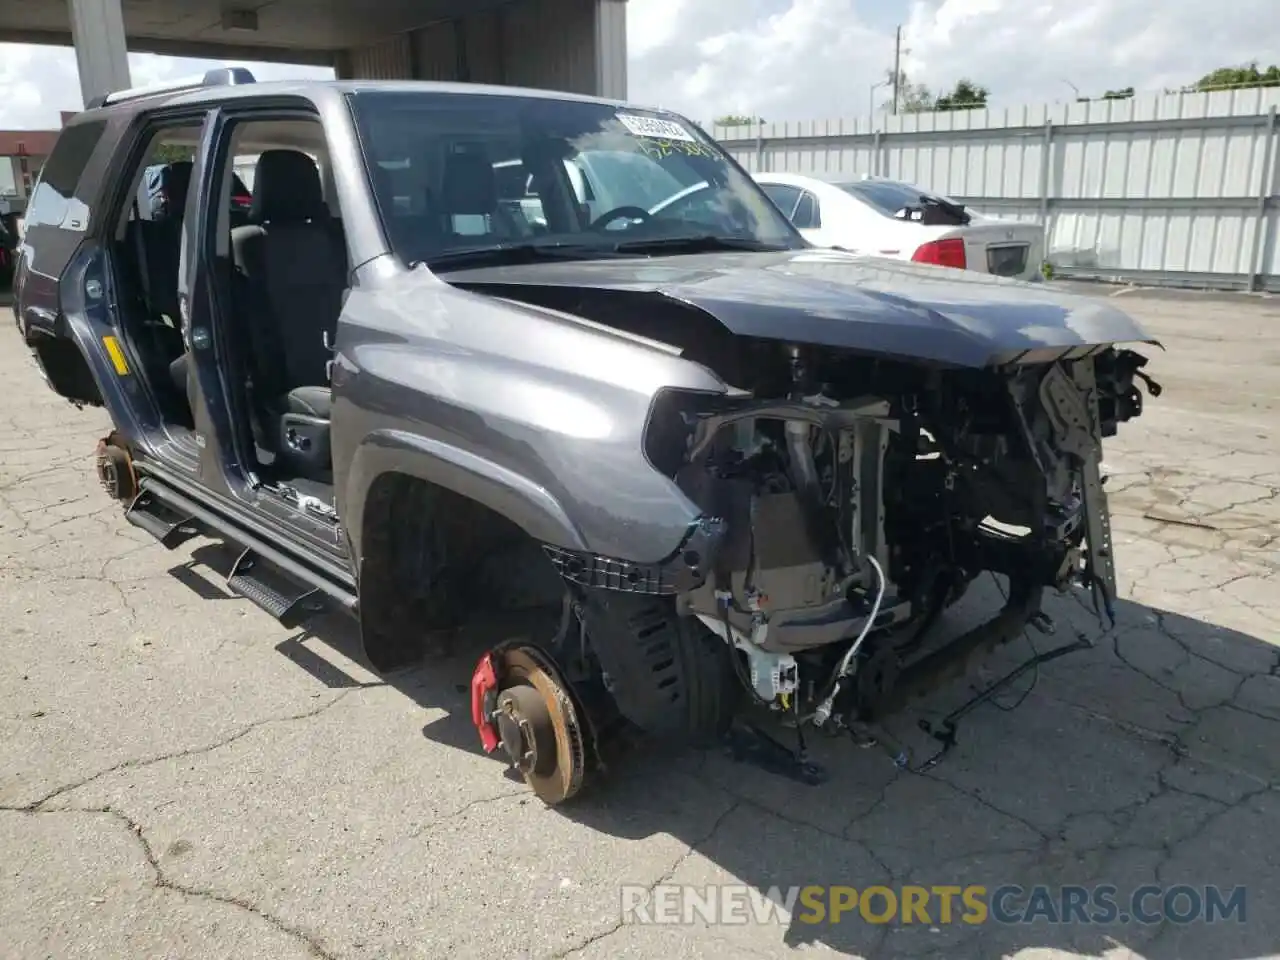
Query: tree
column 1239, row 78
column 912, row 97
column 171, row 153
column 736, row 120
column 966, row 96
column 1124, row 94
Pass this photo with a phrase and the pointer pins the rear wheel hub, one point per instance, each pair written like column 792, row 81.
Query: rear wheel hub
column 115, row 470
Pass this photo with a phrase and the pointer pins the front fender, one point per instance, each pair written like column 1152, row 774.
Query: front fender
column 519, row 499
column 537, row 414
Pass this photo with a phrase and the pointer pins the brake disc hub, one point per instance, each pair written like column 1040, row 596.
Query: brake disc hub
column 527, row 732
column 536, row 722
column 115, row 469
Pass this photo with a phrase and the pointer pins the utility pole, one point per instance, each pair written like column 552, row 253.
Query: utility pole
column 897, row 66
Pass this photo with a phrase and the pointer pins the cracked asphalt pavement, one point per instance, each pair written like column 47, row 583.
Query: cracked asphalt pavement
column 181, row 777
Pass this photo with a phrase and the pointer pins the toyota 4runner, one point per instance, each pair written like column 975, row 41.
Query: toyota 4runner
column 460, row 346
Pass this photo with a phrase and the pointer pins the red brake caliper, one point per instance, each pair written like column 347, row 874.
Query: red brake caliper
column 484, row 701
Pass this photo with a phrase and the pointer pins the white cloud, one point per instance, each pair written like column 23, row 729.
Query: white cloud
column 1025, row 55
column 774, row 58
column 817, row 59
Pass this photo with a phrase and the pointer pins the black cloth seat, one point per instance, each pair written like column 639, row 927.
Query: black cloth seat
column 291, row 277
column 160, row 240
column 156, row 246
column 469, row 188
column 413, row 236
column 309, row 401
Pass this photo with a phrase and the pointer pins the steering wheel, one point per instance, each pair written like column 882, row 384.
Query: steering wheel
column 678, row 199
column 634, row 213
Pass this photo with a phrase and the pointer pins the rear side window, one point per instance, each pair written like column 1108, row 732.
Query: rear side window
column 784, row 196
column 807, row 215
column 54, row 195
column 885, row 195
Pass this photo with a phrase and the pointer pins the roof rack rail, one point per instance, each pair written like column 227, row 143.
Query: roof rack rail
column 220, row 77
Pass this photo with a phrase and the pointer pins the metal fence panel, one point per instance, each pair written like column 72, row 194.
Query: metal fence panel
column 390, row 60
column 1175, row 188
column 563, row 57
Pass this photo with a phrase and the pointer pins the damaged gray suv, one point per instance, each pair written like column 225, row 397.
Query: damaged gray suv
column 419, row 350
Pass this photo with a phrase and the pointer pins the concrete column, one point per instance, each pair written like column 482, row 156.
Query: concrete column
column 97, row 30
column 342, row 65
column 611, row 49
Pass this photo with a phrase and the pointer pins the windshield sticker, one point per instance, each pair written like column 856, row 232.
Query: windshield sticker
column 660, row 149
column 655, row 128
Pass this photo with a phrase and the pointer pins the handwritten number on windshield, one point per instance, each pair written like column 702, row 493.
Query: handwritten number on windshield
column 660, row 149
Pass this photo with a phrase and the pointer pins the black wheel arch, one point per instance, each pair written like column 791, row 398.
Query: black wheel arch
column 429, row 554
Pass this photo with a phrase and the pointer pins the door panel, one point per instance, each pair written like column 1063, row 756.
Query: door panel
column 202, row 290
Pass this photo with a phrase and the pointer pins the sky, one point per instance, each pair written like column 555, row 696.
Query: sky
column 818, row 59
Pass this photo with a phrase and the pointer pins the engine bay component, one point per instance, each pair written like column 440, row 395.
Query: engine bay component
column 1072, row 405
column 799, row 489
column 854, row 518
column 772, row 675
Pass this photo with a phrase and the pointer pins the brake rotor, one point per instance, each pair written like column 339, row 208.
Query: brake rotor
column 538, row 724
column 115, row 470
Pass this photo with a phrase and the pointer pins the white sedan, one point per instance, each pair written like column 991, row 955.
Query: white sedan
column 888, row 218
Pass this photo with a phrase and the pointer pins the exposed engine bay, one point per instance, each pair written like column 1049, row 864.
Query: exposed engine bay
column 853, row 518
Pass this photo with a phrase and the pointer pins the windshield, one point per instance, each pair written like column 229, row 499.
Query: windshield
column 458, row 172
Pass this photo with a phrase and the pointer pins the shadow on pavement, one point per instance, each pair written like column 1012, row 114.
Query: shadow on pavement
column 1146, row 760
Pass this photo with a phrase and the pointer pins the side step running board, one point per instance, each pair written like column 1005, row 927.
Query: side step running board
column 171, row 527
column 284, row 587
column 284, row 597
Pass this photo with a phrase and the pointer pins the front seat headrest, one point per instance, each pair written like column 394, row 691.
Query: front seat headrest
column 469, row 186
column 286, row 188
column 177, row 184
column 165, row 186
